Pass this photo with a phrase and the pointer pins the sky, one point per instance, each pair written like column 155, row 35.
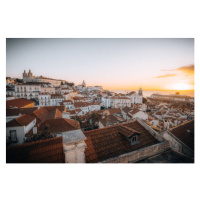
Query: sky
column 115, row 64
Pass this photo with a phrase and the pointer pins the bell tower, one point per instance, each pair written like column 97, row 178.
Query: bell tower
column 24, row 74
column 140, row 92
column 84, row 84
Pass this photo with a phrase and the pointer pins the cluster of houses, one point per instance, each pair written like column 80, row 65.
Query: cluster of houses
column 127, row 128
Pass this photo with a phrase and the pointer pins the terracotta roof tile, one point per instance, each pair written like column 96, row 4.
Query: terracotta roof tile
column 114, row 110
column 23, row 120
column 17, row 111
column 59, row 125
column 134, row 111
column 185, row 133
column 50, row 108
column 18, row 103
column 109, row 142
column 45, row 151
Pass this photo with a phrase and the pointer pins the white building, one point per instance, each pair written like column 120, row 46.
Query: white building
column 83, row 106
column 28, row 91
column 63, row 90
column 135, row 98
column 48, row 89
column 56, row 99
column 17, row 128
column 106, row 102
column 136, row 113
column 44, row 99
column 69, row 104
column 120, row 102
column 94, row 107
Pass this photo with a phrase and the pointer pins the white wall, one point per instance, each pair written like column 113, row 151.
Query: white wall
column 30, row 126
column 74, row 152
column 19, row 131
column 140, row 115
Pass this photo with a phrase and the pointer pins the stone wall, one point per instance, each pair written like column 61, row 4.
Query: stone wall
column 140, row 154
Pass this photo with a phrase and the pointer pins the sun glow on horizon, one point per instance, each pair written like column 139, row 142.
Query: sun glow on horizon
column 182, row 86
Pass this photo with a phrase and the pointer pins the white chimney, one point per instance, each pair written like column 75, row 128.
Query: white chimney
column 35, row 130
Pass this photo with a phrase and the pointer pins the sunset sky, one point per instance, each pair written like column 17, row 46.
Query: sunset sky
column 116, row 64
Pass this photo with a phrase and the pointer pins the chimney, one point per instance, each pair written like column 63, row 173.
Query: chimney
column 166, row 124
column 35, row 130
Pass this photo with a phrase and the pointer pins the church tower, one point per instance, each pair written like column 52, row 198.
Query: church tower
column 24, row 74
column 30, row 74
column 140, row 92
column 84, row 84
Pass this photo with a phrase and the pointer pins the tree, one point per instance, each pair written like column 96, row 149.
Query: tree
column 93, row 120
column 19, row 80
column 45, row 134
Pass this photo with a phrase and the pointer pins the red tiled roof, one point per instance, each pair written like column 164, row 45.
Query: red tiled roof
column 55, row 114
column 44, row 151
column 81, row 104
column 59, row 125
column 126, row 109
column 18, row 103
column 68, row 101
column 41, row 113
column 127, row 132
column 78, row 110
column 114, row 110
column 134, row 111
column 72, row 112
column 111, row 120
column 23, row 120
column 17, row 111
column 109, row 142
column 185, row 133
column 50, row 108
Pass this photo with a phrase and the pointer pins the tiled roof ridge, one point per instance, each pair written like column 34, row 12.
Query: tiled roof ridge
column 36, row 142
column 109, row 127
column 130, row 129
column 13, row 121
column 68, row 121
column 18, row 119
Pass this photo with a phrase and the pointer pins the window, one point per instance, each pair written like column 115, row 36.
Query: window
column 13, row 136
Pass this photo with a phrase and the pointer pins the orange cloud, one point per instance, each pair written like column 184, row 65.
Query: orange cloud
column 165, row 76
column 187, row 70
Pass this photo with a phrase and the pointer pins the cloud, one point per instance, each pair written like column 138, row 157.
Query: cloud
column 187, row 70
column 165, row 76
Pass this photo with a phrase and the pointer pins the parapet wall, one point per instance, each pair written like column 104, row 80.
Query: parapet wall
column 140, row 154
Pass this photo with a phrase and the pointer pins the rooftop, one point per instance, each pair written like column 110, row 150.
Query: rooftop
column 23, row 120
column 60, row 125
column 21, row 102
column 185, row 133
column 44, row 151
column 17, row 111
column 109, row 142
